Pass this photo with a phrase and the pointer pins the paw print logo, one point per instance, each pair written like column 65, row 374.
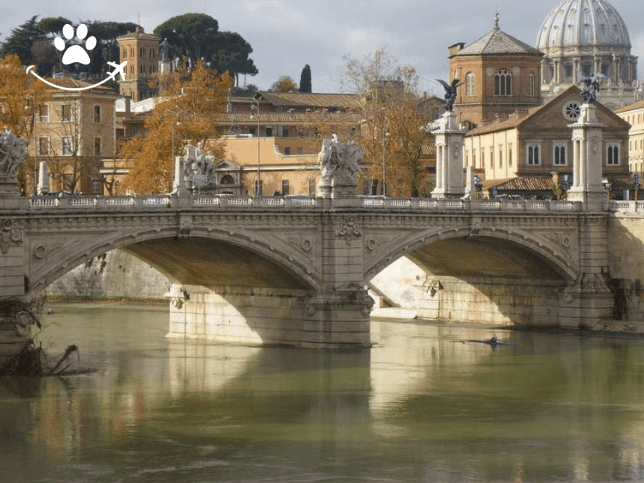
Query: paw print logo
column 75, row 53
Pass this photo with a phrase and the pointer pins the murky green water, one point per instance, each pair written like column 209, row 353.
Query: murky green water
column 426, row 405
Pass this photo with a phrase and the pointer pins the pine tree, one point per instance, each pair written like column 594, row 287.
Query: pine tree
column 305, row 79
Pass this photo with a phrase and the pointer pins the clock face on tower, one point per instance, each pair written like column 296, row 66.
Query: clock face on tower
column 571, row 110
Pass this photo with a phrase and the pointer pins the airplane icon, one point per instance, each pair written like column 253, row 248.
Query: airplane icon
column 118, row 69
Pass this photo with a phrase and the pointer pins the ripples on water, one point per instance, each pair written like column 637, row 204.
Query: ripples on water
column 424, row 405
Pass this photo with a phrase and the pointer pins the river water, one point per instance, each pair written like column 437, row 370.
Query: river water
column 426, row 404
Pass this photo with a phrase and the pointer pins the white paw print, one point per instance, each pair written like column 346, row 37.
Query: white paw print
column 75, row 53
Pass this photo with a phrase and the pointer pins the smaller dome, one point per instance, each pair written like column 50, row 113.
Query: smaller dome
column 578, row 23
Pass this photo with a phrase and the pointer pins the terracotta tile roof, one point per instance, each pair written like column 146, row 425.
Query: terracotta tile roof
column 315, row 101
column 497, row 42
column 290, row 117
column 521, row 183
column 630, row 107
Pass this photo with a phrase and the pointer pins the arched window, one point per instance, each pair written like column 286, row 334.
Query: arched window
column 503, row 83
column 470, row 84
column 227, row 179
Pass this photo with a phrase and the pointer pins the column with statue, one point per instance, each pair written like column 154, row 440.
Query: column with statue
column 587, row 140
column 449, row 148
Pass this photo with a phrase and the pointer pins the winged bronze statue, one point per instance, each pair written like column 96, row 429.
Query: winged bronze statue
column 450, row 93
column 589, row 93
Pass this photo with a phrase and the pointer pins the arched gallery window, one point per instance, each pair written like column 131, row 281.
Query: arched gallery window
column 503, row 83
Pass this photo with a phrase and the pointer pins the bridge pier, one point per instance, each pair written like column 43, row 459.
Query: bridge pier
column 261, row 316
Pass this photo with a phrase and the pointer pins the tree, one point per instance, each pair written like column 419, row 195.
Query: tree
column 21, row 40
column 305, row 79
column 191, row 34
column 20, row 97
column 284, row 84
column 392, row 135
column 193, row 103
column 230, row 54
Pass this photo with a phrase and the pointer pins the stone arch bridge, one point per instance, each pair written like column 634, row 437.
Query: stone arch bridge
column 293, row 270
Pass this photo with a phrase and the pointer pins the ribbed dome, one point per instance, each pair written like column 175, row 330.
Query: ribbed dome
column 575, row 23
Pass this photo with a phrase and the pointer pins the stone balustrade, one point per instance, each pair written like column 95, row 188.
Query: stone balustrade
column 171, row 202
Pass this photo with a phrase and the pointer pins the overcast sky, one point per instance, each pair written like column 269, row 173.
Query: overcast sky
column 288, row 34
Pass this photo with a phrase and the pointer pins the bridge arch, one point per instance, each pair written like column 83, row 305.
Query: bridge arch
column 540, row 248
column 287, row 268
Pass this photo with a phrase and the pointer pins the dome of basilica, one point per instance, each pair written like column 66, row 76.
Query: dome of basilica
column 583, row 38
column 578, row 23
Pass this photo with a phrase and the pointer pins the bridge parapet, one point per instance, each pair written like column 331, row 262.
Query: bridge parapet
column 172, row 202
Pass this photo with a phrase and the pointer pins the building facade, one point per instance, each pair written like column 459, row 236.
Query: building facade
column 537, row 144
column 74, row 132
column 634, row 115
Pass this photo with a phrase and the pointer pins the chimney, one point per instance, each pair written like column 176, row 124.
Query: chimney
column 455, row 49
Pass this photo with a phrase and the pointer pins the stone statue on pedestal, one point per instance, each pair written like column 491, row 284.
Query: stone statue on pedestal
column 12, row 153
column 339, row 164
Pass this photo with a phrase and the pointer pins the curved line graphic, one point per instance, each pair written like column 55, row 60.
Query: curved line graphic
column 110, row 76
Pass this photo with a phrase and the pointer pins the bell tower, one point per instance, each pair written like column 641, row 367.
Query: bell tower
column 141, row 51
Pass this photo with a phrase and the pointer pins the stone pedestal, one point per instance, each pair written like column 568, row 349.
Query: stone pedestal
column 587, row 139
column 449, row 158
column 43, row 178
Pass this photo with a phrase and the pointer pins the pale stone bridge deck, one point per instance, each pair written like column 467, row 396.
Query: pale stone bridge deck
column 293, row 269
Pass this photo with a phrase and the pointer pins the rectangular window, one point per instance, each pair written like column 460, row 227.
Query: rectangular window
column 312, row 187
column 66, row 112
column 259, row 188
column 43, row 113
column 612, row 155
column 534, row 155
column 43, row 146
column 285, row 187
column 66, row 145
column 285, row 132
column 251, row 131
column 559, row 157
column 97, row 146
column 287, row 151
column 97, row 113
column 96, row 186
column 510, row 155
column 491, row 158
column 269, row 132
column 500, row 157
column 299, row 151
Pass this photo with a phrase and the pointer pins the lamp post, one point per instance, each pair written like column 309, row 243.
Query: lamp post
column 36, row 143
column 385, row 135
column 258, row 187
column 175, row 122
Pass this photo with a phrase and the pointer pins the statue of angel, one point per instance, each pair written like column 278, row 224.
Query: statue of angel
column 591, row 82
column 450, row 93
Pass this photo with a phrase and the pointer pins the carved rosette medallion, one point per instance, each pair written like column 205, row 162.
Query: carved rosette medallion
column 10, row 236
column 40, row 251
column 349, row 231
